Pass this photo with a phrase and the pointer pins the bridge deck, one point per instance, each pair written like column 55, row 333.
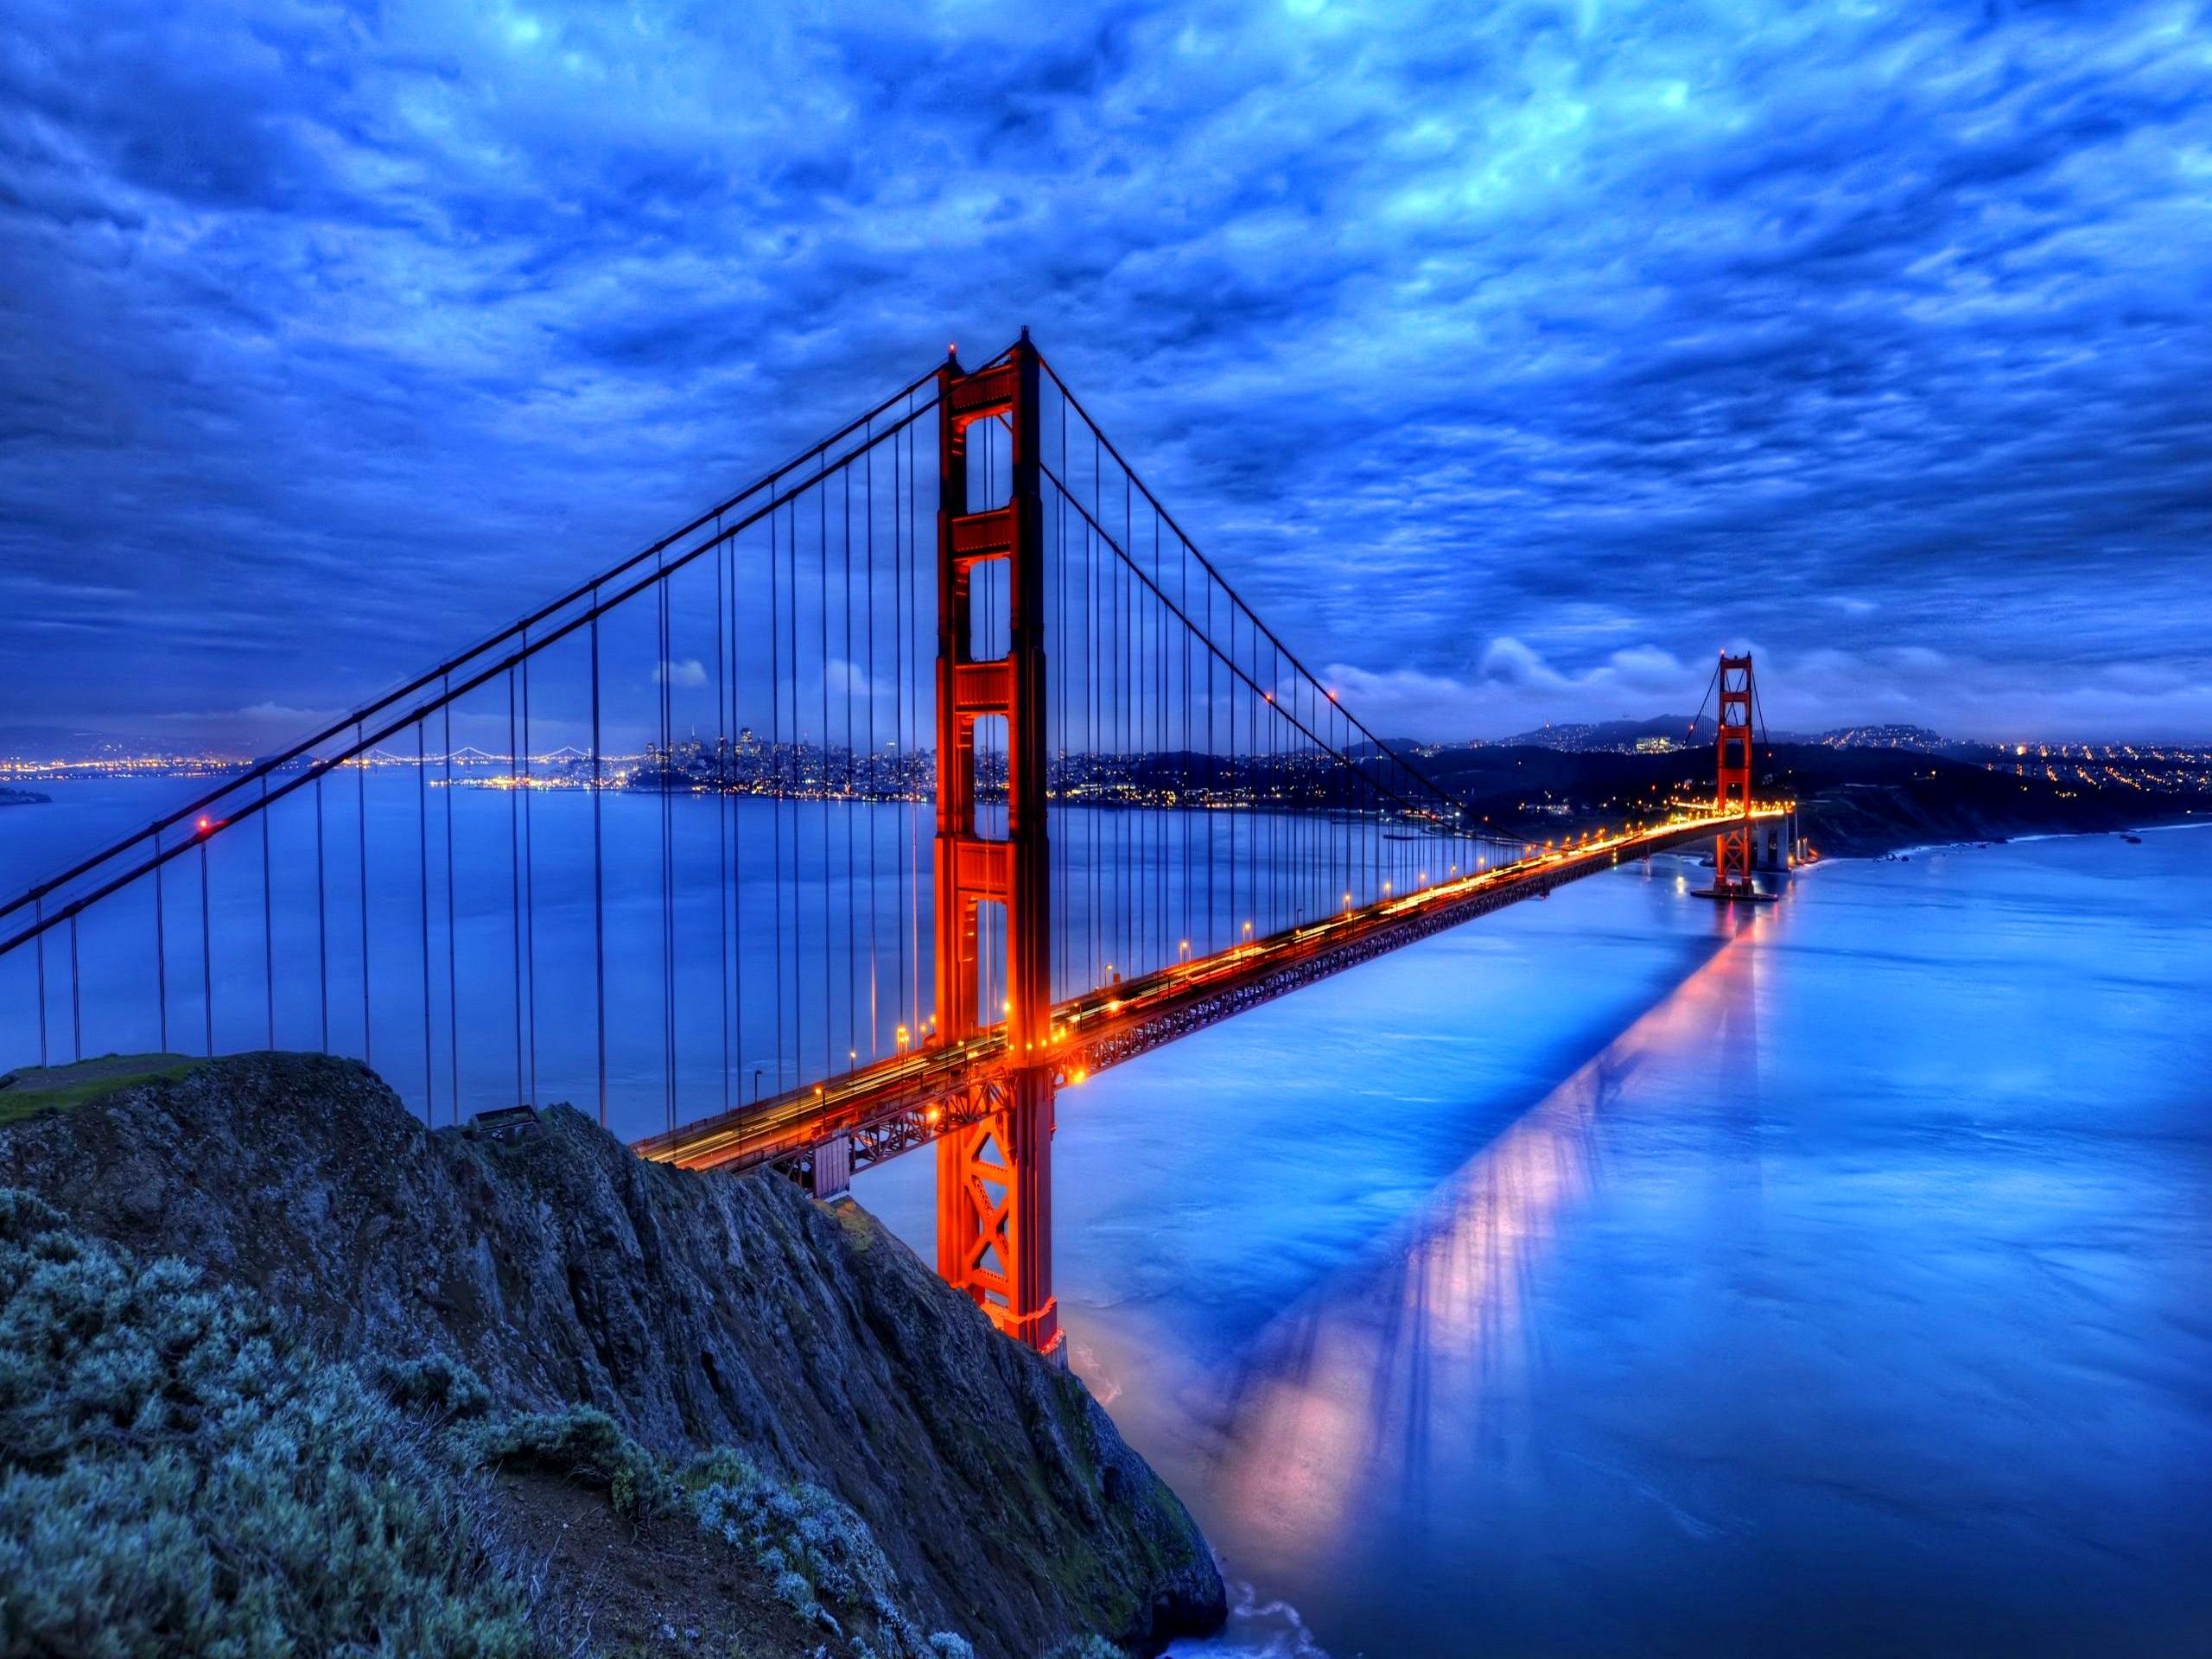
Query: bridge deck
column 899, row 1104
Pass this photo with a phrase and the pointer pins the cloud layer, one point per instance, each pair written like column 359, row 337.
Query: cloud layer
column 1511, row 355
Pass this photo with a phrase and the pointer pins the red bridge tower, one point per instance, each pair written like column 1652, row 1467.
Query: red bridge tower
column 1734, row 851
column 995, row 1169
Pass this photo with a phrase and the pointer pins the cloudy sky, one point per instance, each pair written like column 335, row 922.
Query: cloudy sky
column 1511, row 357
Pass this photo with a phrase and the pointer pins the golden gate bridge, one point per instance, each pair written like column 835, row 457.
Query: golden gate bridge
column 989, row 777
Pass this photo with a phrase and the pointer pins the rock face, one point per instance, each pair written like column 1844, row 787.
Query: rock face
column 696, row 1309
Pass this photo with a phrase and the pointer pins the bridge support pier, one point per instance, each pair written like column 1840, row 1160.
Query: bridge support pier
column 995, row 1212
column 995, row 1186
column 829, row 1168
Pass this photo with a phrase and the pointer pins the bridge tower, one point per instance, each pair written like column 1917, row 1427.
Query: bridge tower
column 1733, row 848
column 994, row 1166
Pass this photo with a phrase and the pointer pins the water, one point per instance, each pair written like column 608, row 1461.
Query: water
column 1613, row 1275
column 749, row 945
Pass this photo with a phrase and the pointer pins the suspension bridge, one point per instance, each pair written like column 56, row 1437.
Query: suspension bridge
column 932, row 772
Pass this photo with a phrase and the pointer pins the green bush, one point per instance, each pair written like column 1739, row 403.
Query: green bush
column 435, row 1384
column 822, row 1553
column 581, row 1444
column 181, row 1479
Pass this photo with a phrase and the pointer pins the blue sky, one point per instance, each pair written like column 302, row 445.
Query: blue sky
column 1512, row 358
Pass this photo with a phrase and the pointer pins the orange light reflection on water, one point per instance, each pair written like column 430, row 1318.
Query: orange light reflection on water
column 1384, row 1371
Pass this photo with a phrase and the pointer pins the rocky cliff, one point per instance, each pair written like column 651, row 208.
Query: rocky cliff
column 699, row 1311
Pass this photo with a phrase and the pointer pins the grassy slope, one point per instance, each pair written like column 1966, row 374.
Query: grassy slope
column 56, row 1088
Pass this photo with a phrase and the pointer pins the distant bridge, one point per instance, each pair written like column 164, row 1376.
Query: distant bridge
column 963, row 605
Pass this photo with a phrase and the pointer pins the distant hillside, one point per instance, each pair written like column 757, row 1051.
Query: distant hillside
column 1853, row 800
column 1614, row 734
column 44, row 743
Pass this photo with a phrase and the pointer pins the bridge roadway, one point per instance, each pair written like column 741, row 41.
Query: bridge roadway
column 897, row 1104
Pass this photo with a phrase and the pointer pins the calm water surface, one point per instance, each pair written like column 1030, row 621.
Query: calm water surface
column 1617, row 1274
column 1614, row 1274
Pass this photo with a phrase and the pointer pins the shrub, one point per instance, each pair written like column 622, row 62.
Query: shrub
column 581, row 1444
column 437, row 1385
column 822, row 1553
column 181, row 1479
column 819, row 1537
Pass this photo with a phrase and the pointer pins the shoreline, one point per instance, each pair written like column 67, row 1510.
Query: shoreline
column 1968, row 843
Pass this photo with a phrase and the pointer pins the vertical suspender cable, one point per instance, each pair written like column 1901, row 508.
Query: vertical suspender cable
column 207, row 960
column 776, row 793
column 423, row 873
column 321, row 918
column 821, row 584
column 38, row 945
column 737, row 841
column 161, row 935
column 598, row 866
column 872, row 795
column 361, row 833
column 722, row 775
column 667, row 862
column 514, row 881
column 906, row 900
column 453, row 944
column 268, row 918
column 912, row 621
column 529, row 874
column 852, row 952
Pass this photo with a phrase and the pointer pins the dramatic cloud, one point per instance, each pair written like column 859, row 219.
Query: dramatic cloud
column 1516, row 357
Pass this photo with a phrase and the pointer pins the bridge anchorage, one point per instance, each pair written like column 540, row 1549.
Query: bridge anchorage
column 828, row 927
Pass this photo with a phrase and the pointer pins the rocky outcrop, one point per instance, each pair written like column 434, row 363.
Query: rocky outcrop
column 698, row 1310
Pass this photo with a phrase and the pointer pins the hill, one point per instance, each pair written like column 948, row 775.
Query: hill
column 685, row 1408
column 1853, row 800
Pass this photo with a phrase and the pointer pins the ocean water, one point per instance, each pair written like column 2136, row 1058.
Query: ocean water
column 1625, row 1274
column 1618, row 1273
